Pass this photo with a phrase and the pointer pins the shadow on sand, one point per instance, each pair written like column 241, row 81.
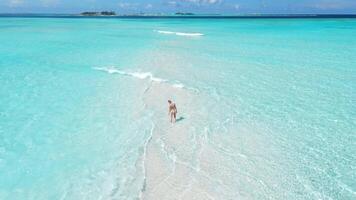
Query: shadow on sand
column 180, row 119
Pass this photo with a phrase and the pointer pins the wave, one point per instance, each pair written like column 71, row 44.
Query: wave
column 144, row 155
column 139, row 75
column 145, row 75
column 178, row 85
column 180, row 33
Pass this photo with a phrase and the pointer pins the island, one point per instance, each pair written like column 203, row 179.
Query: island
column 183, row 13
column 102, row 13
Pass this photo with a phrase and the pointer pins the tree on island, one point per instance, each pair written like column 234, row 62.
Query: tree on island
column 90, row 13
column 108, row 13
column 102, row 13
column 183, row 13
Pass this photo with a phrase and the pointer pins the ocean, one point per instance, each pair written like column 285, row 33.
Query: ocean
column 266, row 108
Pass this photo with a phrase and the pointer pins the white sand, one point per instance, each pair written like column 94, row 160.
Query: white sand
column 192, row 160
column 173, row 160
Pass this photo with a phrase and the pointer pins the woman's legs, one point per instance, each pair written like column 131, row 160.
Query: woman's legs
column 173, row 116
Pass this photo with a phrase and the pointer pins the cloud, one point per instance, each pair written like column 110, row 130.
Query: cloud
column 332, row 4
column 203, row 2
column 15, row 3
column 237, row 6
column 128, row 5
column 172, row 3
column 22, row 3
column 49, row 3
column 149, row 6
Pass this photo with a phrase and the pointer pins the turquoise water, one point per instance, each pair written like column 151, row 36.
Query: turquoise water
column 274, row 100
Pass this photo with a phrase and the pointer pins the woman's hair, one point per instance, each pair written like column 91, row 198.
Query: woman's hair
column 169, row 101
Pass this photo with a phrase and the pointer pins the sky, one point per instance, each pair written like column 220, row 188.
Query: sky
column 172, row 6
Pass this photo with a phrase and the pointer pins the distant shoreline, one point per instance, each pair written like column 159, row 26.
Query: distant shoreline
column 195, row 16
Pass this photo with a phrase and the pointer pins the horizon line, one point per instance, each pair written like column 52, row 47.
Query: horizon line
column 173, row 15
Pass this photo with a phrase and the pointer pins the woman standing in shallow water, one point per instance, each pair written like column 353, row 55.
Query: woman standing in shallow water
column 172, row 111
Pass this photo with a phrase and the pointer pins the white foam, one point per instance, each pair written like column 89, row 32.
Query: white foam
column 109, row 70
column 178, row 85
column 180, row 33
column 139, row 75
column 166, row 32
column 158, row 79
column 189, row 34
column 144, row 75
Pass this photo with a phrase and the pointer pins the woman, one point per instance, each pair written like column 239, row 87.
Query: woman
column 172, row 110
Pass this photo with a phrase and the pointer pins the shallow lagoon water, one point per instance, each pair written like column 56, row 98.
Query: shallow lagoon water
column 267, row 106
